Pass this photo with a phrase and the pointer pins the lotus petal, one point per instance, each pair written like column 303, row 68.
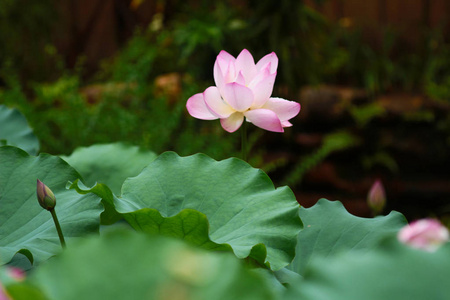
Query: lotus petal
column 284, row 109
column 265, row 119
column 197, row 108
column 233, row 122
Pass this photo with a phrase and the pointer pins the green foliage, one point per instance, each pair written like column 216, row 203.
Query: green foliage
column 329, row 230
column 24, row 226
column 201, row 30
column 16, row 132
column 340, row 256
column 138, row 60
column 126, row 265
column 364, row 114
column 389, row 271
column 134, row 113
column 57, row 113
column 109, row 164
column 190, row 198
column 215, row 205
column 25, row 291
column 127, row 105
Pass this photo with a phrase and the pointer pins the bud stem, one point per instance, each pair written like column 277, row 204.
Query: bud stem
column 244, row 140
column 58, row 228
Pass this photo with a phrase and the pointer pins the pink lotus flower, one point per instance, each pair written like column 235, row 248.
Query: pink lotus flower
column 243, row 90
column 425, row 234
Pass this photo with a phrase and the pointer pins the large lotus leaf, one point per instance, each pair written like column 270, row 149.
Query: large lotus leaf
column 14, row 130
column 215, row 204
column 109, row 164
column 24, row 226
column 390, row 271
column 123, row 264
column 330, row 229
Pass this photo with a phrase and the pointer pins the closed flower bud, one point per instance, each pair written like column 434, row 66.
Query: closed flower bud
column 425, row 234
column 45, row 196
column 376, row 199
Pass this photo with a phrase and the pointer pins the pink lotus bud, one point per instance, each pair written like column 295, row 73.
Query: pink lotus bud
column 45, row 196
column 376, row 199
column 16, row 274
column 425, row 234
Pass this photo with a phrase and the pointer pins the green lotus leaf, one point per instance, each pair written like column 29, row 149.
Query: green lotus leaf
column 123, row 264
column 391, row 271
column 24, row 226
column 329, row 229
column 215, row 204
column 15, row 131
column 109, row 164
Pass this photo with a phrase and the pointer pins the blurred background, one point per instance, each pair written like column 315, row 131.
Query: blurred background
column 373, row 79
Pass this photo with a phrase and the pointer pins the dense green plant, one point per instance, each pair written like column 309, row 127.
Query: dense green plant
column 130, row 113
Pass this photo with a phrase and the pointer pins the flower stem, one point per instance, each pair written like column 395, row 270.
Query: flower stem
column 58, row 228
column 244, row 140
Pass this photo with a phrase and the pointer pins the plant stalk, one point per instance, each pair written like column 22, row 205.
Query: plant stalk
column 58, row 228
column 244, row 140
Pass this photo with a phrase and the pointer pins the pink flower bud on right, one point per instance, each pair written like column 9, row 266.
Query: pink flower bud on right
column 425, row 234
